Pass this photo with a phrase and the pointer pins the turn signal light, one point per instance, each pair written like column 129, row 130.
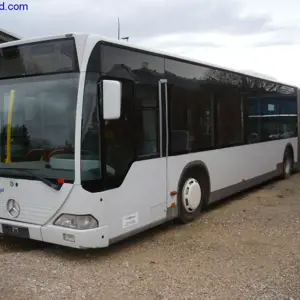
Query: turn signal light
column 61, row 180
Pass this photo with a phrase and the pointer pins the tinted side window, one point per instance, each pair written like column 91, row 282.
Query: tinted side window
column 227, row 94
column 190, row 106
column 144, row 72
column 271, row 111
column 90, row 135
column 119, row 142
column 288, row 119
column 147, row 119
column 129, row 64
column 94, row 61
column 38, row 58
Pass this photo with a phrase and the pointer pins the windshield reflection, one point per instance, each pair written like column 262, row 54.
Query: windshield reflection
column 38, row 124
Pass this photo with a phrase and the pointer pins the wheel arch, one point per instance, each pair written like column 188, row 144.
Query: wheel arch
column 289, row 147
column 195, row 165
column 198, row 169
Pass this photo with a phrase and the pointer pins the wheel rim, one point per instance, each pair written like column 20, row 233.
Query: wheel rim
column 287, row 165
column 191, row 195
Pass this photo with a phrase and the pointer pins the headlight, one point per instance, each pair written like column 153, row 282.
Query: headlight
column 77, row 222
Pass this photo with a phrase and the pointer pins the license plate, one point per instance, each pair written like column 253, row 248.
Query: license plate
column 16, row 231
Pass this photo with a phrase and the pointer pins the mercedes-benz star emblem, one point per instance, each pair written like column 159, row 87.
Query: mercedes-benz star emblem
column 13, row 208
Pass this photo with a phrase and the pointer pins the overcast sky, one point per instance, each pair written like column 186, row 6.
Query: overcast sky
column 258, row 35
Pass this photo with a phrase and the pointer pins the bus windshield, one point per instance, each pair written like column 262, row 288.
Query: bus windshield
column 37, row 116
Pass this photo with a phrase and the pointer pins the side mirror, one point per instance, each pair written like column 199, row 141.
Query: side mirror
column 111, row 95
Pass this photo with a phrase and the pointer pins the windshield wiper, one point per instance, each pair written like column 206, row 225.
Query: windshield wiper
column 20, row 172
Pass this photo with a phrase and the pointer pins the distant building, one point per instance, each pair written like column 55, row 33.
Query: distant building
column 6, row 36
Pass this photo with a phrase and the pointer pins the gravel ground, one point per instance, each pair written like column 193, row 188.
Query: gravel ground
column 247, row 247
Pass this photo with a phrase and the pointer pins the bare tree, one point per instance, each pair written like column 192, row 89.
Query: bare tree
column 248, row 82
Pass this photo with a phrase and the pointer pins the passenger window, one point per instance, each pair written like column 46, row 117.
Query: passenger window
column 199, row 122
column 147, row 119
column 270, row 111
column 119, row 137
column 191, row 109
column 147, row 136
column 228, row 108
column 180, row 119
column 90, row 141
column 143, row 71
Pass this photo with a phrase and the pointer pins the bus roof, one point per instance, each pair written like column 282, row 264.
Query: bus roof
column 6, row 36
column 144, row 49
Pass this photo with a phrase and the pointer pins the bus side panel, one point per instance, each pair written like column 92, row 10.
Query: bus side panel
column 137, row 204
column 233, row 165
column 141, row 198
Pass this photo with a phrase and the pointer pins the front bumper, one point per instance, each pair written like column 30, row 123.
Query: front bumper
column 93, row 238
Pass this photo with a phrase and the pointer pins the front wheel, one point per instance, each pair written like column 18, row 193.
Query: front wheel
column 192, row 195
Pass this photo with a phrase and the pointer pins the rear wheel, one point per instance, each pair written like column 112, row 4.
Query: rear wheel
column 288, row 164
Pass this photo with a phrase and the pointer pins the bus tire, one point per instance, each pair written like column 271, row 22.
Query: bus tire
column 288, row 163
column 192, row 194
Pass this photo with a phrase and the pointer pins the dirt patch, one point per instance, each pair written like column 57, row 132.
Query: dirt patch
column 246, row 247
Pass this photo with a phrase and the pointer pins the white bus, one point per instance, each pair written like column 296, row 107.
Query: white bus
column 101, row 139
